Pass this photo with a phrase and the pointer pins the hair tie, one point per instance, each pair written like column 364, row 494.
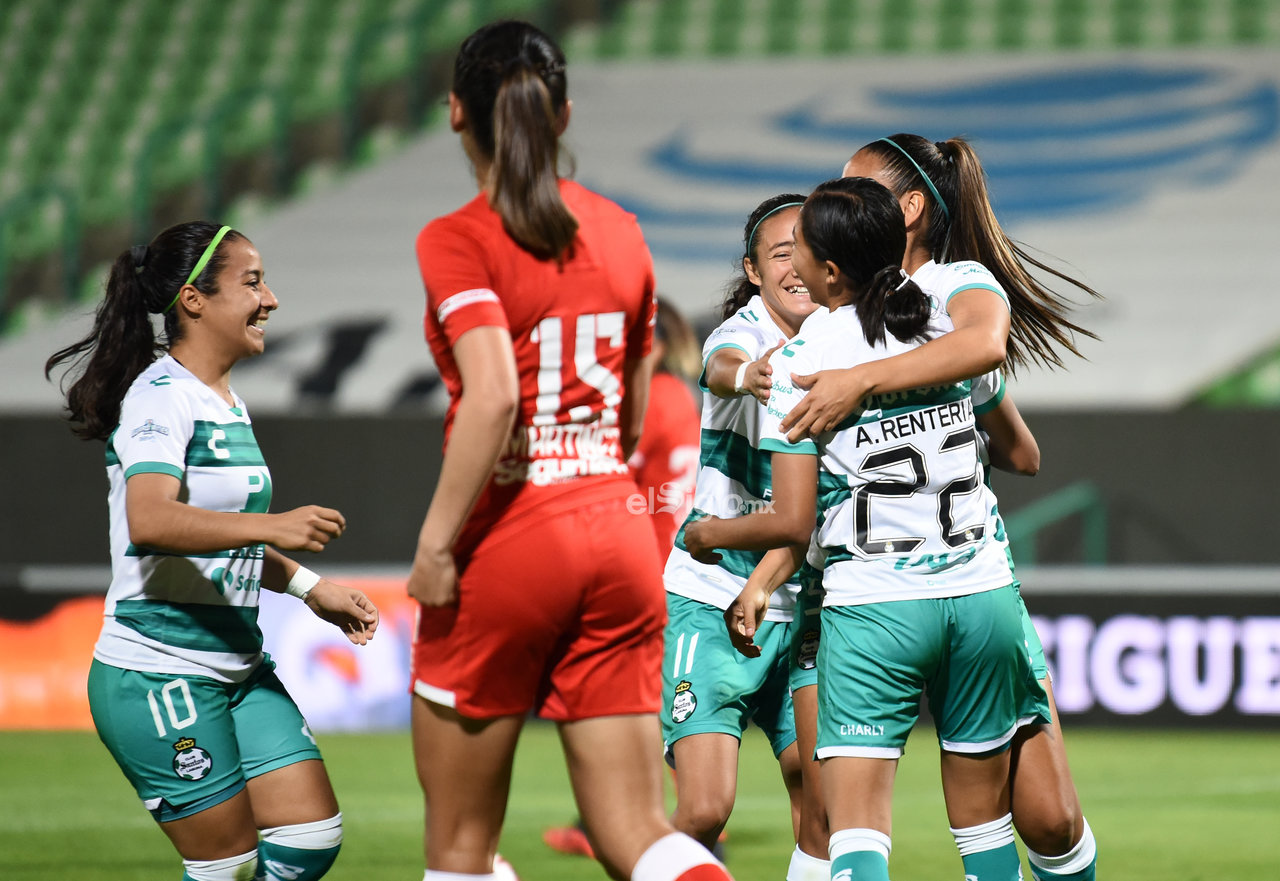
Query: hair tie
column 751, row 238
column 138, row 254
column 200, row 265
column 928, row 183
column 905, row 278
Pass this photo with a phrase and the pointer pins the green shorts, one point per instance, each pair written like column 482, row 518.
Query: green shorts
column 968, row 654
column 709, row 687
column 1034, row 646
column 187, row 743
column 807, row 629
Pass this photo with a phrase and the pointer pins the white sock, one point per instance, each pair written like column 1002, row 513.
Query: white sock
column 433, row 875
column 986, row 836
column 806, row 868
column 237, row 868
column 670, row 857
column 853, row 840
column 1075, row 860
column 320, row 835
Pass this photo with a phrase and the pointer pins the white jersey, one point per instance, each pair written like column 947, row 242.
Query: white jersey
column 734, row 475
column 903, row 512
column 169, row 613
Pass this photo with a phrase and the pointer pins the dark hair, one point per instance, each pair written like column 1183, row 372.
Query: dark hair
column 857, row 224
column 510, row 79
column 144, row 281
column 967, row 229
column 741, row 289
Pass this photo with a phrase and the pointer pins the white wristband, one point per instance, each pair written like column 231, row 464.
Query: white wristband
column 301, row 583
column 740, row 376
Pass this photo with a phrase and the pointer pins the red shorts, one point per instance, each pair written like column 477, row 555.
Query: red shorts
column 563, row 615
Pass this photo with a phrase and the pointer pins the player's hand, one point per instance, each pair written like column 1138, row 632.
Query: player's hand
column 346, row 608
column 743, row 618
column 308, row 528
column 699, row 542
column 758, row 380
column 434, row 579
column 833, row 396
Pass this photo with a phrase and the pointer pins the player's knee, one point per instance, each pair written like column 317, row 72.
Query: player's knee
column 1050, row 832
column 243, row 867
column 302, row 852
column 702, row 818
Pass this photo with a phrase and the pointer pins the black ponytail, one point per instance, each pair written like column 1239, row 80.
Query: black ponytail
column 857, row 224
column 143, row 281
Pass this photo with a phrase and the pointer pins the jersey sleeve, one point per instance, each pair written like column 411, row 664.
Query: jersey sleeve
column 791, row 358
column 751, row 339
column 969, row 275
column 454, row 268
column 154, row 431
column 987, row 391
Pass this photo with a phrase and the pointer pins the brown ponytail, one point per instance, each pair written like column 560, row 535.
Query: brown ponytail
column 1040, row 325
column 523, row 186
column 509, row 77
column 964, row 227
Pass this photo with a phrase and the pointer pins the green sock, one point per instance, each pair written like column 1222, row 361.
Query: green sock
column 279, row 863
column 1000, row 864
column 860, row 855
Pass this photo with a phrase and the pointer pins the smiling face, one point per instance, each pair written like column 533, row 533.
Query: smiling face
column 769, row 268
column 235, row 317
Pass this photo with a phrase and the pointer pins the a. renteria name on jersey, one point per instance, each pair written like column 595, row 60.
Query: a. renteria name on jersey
column 546, row 454
column 904, row 425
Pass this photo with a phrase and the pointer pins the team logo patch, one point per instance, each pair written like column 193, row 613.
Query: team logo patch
column 684, row 703
column 149, row 430
column 191, row 762
column 807, row 654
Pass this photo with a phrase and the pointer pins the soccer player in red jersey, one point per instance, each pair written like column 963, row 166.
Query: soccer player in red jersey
column 539, row 589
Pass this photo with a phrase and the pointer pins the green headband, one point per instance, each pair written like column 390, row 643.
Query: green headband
column 751, row 238
column 200, row 265
column 928, row 183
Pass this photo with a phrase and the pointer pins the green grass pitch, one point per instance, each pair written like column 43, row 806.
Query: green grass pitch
column 1193, row 806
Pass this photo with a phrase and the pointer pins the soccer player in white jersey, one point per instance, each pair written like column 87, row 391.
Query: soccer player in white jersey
column 1011, row 319
column 918, row 594
column 180, row 689
column 710, row 692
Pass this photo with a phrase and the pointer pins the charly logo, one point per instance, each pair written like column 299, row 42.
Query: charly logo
column 684, row 703
column 191, row 762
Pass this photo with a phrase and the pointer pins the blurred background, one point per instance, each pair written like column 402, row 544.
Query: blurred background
column 1132, row 143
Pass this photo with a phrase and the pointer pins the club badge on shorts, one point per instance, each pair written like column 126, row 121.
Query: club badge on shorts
column 191, row 762
column 684, row 703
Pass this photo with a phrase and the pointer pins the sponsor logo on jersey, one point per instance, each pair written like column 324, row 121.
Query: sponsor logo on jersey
column 191, row 762
column 807, row 654
column 684, row 703
column 149, row 429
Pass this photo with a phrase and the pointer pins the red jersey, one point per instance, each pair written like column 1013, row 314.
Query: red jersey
column 665, row 463
column 572, row 324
